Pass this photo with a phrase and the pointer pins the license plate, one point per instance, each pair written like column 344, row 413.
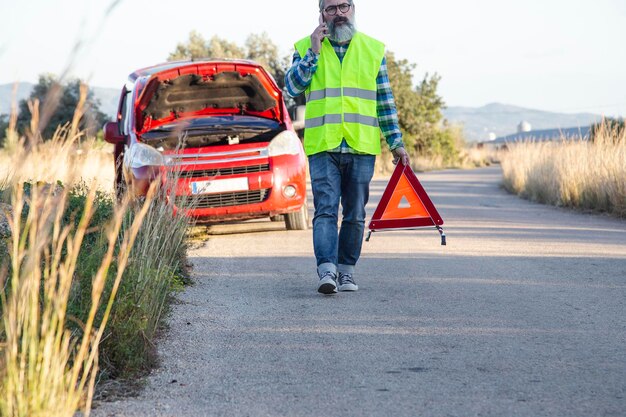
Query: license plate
column 219, row 186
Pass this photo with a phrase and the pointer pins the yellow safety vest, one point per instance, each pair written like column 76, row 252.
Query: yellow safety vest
column 341, row 99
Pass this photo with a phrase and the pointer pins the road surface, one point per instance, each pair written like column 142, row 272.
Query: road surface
column 522, row 314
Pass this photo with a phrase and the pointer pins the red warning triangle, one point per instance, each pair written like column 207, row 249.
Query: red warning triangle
column 404, row 203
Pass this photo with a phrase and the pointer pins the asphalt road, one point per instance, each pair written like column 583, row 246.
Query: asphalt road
column 522, row 314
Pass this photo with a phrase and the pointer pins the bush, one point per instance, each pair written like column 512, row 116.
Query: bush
column 155, row 267
column 49, row 363
column 67, row 241
column 613, row 130
column 447, row 144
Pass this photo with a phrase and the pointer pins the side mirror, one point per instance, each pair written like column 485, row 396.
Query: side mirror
column 112, row 133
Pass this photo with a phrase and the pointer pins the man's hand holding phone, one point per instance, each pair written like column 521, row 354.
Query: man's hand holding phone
column 318, row 35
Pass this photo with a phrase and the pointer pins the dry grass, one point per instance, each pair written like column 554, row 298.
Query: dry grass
column 47, row 369
column 580, row 174
column 469, row 157
column 385, row 166
column 65, row 306
column 475, row 156
column 59, row 159
column 68, row 157
column 158, row 266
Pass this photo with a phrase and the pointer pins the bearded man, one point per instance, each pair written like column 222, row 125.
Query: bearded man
column 348, row 103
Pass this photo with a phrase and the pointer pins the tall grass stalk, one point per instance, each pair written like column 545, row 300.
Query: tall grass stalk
column 47, row 369
column 581, row 174
column 60, row 323
column 156, row 258
column 156, row 267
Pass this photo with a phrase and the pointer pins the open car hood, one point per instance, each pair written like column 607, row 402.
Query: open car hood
column 201, row 89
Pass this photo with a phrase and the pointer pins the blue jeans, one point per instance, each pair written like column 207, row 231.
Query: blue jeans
column 339, row 177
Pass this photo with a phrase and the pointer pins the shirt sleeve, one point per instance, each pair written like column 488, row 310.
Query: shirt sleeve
column 386, row 109
column 299, row 76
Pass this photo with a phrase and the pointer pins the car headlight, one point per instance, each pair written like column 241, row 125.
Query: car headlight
column 286, row 143
column 141, row 155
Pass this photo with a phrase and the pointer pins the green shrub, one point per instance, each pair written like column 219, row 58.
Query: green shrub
column 156, row 268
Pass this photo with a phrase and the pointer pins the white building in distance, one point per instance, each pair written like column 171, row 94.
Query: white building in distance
column 524, row 126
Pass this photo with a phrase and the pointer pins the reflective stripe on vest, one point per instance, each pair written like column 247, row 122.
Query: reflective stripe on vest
column 336, row 92
column 359, row 118
column 323, row 120
column 336, row 119
column 341, row 99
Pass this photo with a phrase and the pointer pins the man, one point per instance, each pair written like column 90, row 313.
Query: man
column 349, row 102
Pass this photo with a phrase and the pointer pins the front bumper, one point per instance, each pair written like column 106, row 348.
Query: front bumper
column 266, row 180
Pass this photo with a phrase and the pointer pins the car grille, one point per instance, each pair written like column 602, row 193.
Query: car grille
column 227, row 199
column 222, row 172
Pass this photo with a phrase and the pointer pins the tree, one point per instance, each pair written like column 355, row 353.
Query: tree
column 197, row 47
column 401, row 81
column 194, row 48
column 419, row 112
column 4, row 125
column 54, row 104
column 609, row 130
column 419, row 107
column 259, row 48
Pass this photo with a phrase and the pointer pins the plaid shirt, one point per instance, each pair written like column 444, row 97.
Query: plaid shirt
column 299, row 76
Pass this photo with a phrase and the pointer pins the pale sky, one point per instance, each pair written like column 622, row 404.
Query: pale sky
column 558, row 55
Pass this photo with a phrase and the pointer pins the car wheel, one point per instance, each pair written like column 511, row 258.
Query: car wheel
column 298, row 220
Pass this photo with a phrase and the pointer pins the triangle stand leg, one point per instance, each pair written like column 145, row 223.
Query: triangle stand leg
column 443, row 235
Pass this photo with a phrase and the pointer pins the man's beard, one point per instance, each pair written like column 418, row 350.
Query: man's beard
column 342, row 33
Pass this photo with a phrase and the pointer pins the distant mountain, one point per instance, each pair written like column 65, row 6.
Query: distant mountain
column 109, row 97
column 503, row 119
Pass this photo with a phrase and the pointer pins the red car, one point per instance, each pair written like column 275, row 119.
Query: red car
column 221, row 129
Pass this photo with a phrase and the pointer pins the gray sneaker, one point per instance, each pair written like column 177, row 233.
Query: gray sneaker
column 346, row 282
column 327, row 283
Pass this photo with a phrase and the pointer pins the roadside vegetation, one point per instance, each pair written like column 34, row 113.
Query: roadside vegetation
column 85, row 279
column 468, row 157
column 588, row 175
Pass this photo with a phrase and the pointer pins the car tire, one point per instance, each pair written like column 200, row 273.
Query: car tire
column 298, row 220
